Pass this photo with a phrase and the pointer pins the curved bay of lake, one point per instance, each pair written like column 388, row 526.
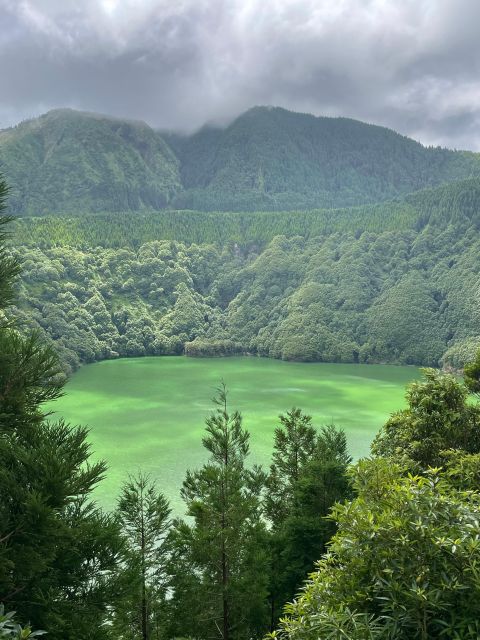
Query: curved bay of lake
column 148, row 413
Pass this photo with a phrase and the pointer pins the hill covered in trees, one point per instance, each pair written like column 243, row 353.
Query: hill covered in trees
column 394, row 282
column 273, row 159
column 69, row 162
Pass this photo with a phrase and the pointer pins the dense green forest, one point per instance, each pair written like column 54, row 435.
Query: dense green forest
column 68, row 162
column 395, row 282
column 396, row 536
column 274, row 159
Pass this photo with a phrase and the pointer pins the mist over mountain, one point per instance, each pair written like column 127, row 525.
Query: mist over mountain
column 75, row 162
column 68, row 162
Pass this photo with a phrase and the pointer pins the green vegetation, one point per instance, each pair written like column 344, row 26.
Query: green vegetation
column 273, row 159
column 11, row 630
column 405, row 561
column 143, row 514
column 219, row 561
column 344, row 288
column 57, row 549
column 122, row 230
column 68, row 162
column 307, row 477
column 439, row 418
column 147, row 413
column 403, row 565
column 391, row 543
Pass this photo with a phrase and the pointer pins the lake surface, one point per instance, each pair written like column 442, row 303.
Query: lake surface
column 148, row 413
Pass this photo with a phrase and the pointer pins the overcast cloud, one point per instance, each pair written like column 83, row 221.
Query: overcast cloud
column 413, row 65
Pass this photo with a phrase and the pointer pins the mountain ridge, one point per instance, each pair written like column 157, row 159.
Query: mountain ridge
column 268, row 158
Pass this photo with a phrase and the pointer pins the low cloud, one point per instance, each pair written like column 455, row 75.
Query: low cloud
column 411, row 65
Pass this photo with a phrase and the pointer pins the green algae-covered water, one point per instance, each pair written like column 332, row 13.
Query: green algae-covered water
column 148, row 413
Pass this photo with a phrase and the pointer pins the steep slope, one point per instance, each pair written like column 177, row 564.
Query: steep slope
column 72, row 162
column 270, row 158
column 391, row 282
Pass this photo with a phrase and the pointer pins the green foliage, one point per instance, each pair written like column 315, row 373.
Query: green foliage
column 144, row 515
column 56, row 548
column 67, row 161
column 403, row 565
column 11, row 630
column 438, row 418
column 471, row 374
column 307, row 477
column 268, row 159
column 219, row 558
column 9, row 266
column 378, row 285
column 122, row 230
column 24, row 388
column 295, row 442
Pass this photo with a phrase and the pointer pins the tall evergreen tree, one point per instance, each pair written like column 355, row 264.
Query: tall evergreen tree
column 56, row 547
column 220, row 562
column 144, row 515
column 9, row 267
column 294, row 445
column 307, row 530
column 307, row 477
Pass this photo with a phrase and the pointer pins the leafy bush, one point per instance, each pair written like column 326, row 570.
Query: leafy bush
column 11, row 630
column 404, row 564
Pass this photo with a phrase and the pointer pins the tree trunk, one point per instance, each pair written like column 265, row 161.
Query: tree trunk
column 272, row 615
column 225, row 597
column 144, row 588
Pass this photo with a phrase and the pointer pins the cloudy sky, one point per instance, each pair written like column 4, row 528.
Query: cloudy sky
column 413, row 65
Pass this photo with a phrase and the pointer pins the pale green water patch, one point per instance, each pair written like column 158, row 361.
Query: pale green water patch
column 148, row 413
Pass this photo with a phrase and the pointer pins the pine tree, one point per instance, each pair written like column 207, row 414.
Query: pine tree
column 294, row 445
column 56, row 548
column 306, row 531
column 307, row 476
column 144, row 515
column 219, row 562
column 9, row 267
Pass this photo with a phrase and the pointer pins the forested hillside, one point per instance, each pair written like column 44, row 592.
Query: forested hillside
column 73, row 162
column 391, row 283
column 273, row 159
column 270, row 159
